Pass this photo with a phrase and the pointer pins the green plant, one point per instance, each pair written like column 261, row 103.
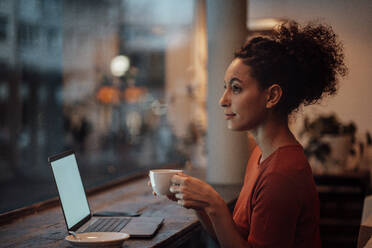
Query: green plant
column 328, row 125
column 324, row 125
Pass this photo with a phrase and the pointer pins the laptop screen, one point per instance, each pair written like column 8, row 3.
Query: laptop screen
column 70, row 188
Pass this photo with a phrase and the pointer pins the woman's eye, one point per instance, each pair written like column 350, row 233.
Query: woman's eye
column 235, row 89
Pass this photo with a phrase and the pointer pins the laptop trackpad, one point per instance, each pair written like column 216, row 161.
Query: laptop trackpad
column 142, row 227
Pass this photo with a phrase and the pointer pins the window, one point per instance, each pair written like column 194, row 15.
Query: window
column 3, row 28
column 28, row 35
column 113, row 80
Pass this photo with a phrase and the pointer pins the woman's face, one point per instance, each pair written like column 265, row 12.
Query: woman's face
column 243, row 102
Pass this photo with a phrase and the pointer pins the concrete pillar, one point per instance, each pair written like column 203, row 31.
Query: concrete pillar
column 227, row 151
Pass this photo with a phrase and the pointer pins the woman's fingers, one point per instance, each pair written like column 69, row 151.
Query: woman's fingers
column 190, row 196
column 149, row 184
column 179, row 196
column 175, row 188
column 178, row 179
column 172, row 197
column 198, row 205
column 190, row 192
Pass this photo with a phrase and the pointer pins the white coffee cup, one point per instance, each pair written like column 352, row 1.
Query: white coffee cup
column 161, row 180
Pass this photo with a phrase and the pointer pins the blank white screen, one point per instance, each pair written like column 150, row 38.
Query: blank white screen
column 71, row 190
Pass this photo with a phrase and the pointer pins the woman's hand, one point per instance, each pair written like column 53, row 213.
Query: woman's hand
column 170, row 197
column 211, row 209
column 191, row 192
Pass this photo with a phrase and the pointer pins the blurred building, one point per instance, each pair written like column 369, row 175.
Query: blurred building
column 57, row 90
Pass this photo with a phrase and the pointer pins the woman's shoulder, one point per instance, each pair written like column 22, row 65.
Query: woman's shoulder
column 289, row 161
column 291, row 155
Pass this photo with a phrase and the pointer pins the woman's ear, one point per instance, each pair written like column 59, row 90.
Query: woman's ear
column 274, row 94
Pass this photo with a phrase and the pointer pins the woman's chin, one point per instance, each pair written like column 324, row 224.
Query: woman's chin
column 232, row 127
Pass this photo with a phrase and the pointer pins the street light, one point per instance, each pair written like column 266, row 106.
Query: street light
column 119, row 65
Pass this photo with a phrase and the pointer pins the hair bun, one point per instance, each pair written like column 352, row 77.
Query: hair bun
column 305, row 61
column 318, row 56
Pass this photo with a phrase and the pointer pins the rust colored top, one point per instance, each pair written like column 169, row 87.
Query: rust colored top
column 278, row 205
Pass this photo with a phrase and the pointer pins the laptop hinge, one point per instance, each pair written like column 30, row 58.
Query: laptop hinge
column 80, row 223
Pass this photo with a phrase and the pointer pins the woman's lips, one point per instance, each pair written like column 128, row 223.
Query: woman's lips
column 229, row 116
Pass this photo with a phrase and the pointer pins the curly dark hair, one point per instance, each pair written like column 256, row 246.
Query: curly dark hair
column 305, row 61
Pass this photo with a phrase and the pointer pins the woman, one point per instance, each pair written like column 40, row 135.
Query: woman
column 270, row 77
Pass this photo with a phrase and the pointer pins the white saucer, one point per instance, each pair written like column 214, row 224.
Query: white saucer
column 98, row 239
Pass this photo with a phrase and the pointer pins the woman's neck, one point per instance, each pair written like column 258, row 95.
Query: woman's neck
column 273, row 134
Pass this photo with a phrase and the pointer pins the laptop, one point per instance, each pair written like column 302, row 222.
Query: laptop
column 75, row 206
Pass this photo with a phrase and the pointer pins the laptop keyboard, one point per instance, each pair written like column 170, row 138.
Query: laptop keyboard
column 108, row 225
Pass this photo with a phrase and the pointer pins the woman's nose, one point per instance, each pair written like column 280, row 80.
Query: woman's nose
column 224, row 100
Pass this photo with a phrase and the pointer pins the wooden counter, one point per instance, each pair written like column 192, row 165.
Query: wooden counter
column 46, row 228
